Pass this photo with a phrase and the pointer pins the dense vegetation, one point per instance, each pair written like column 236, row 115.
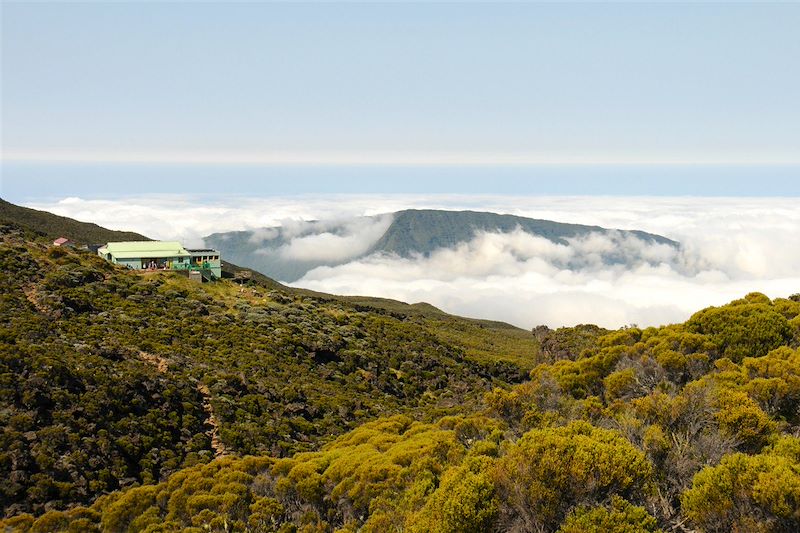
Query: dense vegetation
column 334, row 416
column 112, row 378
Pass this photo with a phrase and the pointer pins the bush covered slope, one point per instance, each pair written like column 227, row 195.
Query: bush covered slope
column 112, row 378
column 693, row 426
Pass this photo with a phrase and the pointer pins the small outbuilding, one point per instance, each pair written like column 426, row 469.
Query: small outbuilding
column 207, row 259
column 62, row 241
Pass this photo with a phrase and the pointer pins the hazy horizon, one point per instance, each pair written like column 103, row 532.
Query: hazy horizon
column 25, row 182
column 383, row 84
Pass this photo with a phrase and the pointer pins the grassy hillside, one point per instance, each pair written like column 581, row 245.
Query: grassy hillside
column 113, row 377
column 686, row 427
column 517, row 345
column 54, row 226
column 489, row 341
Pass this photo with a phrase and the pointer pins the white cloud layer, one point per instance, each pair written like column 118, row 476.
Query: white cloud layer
column 334, row 241
column 731, row 246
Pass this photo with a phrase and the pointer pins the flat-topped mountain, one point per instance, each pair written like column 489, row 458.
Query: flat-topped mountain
column 288, row 252
column 421, row 231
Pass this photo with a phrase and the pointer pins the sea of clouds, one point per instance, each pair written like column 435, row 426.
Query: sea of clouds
column 730, row 246
column 332, row 240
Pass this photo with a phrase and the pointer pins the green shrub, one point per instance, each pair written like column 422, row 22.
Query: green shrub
column 750, row 329
column 618, row 517
column 464, row 502
column 549, row 471
column 748, row 492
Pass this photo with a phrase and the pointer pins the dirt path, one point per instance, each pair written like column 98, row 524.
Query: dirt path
column 161, row 364
column 216, row 444
column 32, row 294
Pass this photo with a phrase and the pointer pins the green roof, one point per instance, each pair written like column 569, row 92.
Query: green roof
column 148, row 249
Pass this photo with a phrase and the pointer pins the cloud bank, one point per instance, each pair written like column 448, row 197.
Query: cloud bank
column 331, row 241
column 730, row 246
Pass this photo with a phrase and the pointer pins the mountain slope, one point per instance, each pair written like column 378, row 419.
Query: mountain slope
column 288, row 253
column 687, row 427
column 47, row 224
column 54, row 226
column 113, row 377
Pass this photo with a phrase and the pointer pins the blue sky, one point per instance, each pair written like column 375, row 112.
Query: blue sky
column 529, row 98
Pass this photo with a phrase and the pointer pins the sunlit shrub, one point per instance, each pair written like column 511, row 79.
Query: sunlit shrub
column 748, row 492
column 549, row 471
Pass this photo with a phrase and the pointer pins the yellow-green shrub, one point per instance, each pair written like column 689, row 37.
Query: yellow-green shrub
column 746, row 328
column 620, row 516
column 465, row 501
column 549, row 471
column 748, row 492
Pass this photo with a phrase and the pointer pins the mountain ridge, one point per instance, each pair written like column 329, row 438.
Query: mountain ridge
column 407, row 233
column 54, row 226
